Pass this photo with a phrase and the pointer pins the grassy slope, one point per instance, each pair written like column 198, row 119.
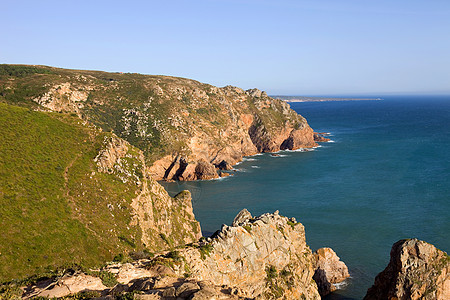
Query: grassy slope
column 49, row 200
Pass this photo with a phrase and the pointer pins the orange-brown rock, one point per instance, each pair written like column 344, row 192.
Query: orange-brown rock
column 318, row 137
column 416, row 270
column 329, row 270
column 205, row 170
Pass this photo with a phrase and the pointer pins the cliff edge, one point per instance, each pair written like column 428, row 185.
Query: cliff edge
column 416, row 270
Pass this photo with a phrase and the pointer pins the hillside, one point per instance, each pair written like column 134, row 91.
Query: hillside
column 72, row 194
column 187, row 130
column 80, row 152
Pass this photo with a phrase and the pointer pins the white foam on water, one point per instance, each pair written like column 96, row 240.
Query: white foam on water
column 218, row 179
column 331, row 141
column 255, row 167
column 249, row 159
column 300, row 150
column 341, row 285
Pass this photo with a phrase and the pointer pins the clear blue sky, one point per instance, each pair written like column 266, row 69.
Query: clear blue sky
column 284, row 47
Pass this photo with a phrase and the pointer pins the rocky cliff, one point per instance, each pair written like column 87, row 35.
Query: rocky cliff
column 416, row 270
column 187, row 130
column 263, row 257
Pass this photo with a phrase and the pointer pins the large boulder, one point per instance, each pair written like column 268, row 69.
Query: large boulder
column 205, row 170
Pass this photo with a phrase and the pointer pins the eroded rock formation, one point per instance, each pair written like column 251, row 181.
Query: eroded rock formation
column 263, row 257
column 416, row 270
column 329, row 270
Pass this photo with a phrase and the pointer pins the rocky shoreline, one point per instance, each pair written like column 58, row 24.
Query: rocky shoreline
column 264, row 257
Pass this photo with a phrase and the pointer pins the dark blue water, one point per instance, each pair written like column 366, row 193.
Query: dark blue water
column 385, row 177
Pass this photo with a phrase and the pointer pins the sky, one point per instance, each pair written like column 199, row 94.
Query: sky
column 285, row 47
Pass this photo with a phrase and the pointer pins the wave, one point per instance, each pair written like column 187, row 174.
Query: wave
column 331, row 141
column 255, row 167
column 249, row 159
column 341, row 285
column 278, row 155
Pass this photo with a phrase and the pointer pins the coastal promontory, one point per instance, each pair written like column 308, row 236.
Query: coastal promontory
column 187, row 130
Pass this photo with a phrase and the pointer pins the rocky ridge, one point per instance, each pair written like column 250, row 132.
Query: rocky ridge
column 186, row 129
column 416, row 270
column 263, row 257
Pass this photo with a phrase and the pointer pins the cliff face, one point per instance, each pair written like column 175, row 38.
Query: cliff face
column 185, row 128
column 417, row 270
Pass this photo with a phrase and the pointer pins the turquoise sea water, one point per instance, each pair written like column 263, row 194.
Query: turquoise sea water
column 385, row 177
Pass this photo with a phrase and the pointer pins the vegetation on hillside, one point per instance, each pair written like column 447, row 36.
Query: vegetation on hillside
column 53, row 204
column 157, row 114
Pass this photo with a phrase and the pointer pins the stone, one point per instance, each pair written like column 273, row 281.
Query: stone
column 224, row 165
column 243, row 216
column 73, row 284
column 320, row 138
column 416, row 270
column 143, row 284
column 205, row 170
column 169, row 292
column 254, row 93
column 186, row 289
column 153, row 296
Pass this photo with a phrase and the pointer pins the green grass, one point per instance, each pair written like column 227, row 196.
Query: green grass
column 22, row 70
column 52, row 212
column 205, row 250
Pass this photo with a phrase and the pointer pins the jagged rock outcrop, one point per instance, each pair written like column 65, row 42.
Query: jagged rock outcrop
column 263, row 257
column 181, row 125
column 319, row 137
column 416, row 270
column 329, row 270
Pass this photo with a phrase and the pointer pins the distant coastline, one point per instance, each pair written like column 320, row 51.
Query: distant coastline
column 320, row 99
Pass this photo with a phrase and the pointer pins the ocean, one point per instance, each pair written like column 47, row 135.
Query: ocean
column 385, row 176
